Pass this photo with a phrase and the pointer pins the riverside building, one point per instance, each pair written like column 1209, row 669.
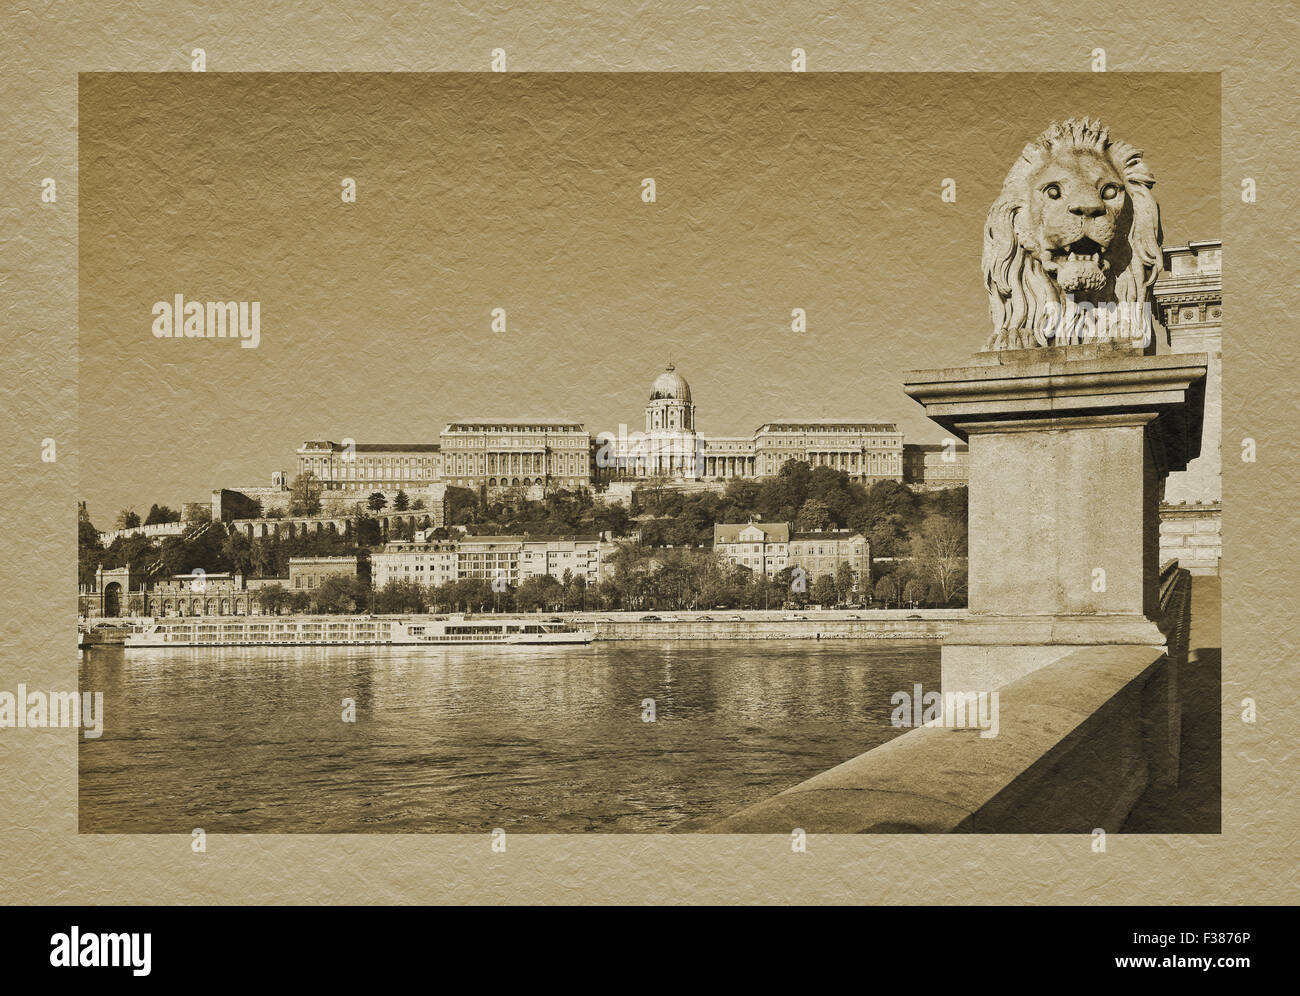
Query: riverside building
column 510, row 559
column 770, row 547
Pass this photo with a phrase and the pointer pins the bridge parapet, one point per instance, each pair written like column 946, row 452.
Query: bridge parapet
column 1078, row 742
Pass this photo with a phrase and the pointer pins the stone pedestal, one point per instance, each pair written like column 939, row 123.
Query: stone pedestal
column 1069, row 447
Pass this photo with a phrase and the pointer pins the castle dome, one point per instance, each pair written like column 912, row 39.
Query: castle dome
column 672, row 386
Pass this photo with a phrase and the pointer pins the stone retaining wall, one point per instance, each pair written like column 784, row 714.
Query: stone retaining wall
column 830, row 629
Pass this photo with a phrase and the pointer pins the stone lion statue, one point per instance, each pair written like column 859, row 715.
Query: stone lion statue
column 1075, row 232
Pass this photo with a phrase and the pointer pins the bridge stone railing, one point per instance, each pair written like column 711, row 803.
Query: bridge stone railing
column 1079, row 742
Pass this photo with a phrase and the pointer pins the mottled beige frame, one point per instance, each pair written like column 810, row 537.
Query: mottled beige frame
column 43, row 858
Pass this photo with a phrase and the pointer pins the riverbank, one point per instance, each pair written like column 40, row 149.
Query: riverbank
column 811, row 628
column 918, row 625
column 811, row 624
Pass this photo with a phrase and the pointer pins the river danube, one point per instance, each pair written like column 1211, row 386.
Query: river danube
column 463, row 740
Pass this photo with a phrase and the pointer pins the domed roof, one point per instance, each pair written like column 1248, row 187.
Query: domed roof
column 671, row 385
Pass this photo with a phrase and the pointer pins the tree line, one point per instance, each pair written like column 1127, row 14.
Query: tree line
column 918, row 543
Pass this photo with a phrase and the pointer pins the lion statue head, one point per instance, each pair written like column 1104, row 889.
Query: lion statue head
column 1075, row 229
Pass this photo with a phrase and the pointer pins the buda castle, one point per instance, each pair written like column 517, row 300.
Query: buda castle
column 544, row 454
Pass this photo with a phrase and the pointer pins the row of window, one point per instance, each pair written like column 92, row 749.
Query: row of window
column 780, row 549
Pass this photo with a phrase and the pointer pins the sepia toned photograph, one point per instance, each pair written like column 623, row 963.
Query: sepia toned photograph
column 706, row 453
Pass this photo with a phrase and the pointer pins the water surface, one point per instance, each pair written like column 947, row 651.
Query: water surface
column 465, row 739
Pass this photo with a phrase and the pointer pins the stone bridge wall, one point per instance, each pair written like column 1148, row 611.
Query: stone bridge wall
column 1079, row 742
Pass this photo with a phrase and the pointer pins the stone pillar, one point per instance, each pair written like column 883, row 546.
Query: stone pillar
column 1068, row 449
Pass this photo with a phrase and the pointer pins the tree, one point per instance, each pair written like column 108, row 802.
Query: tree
column 304, row 494
column 127, row 519
column 887, row 498
column 337, row 508
column 462, row 506
column 368, row 532
column 887, row 537
column 339, row 593
column 814, row 516
column 273, row 598
column 418, row 505
column 89, row 549
column 823, row 590
column 538, row 592
column 886, row 590
column 159, row 514
column 612, row 519
column 939, row 557
column 790, row 584
column 844, row 581
column 237, row 552
column 914, row 591
column 261, row 558
column 575, row 593
column 376, row 502
column 401, row 501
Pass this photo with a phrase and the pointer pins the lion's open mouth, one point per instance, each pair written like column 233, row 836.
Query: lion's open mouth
column 1079, row 266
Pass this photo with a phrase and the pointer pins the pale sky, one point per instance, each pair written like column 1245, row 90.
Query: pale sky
column 523, row 192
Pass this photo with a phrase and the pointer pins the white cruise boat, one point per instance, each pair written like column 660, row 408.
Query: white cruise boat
column 351, row 631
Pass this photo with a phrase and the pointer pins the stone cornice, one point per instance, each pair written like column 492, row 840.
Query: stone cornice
column 1031, row 383
column 1069, row 387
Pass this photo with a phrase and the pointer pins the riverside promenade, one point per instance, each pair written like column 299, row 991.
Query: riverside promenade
column 793, row 624
column 723, row 624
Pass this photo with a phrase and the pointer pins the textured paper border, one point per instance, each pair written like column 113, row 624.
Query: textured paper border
column 46, row 861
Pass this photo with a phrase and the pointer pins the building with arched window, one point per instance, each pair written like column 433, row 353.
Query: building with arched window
column 1189, row 296
column 201, row 594
column 114, row 593
column 537, row 455
column 366, row 467
column 673, row 450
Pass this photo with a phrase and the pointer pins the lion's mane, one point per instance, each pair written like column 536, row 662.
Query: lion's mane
column 1022, row 295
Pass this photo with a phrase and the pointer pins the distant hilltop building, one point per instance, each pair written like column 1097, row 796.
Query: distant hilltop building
column 673, row 450
column 533, row 454
column 936, row 466
column 1189, row 296
column 538, row 455
column 368, row 467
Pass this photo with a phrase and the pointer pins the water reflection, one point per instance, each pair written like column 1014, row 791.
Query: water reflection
column 535, row 740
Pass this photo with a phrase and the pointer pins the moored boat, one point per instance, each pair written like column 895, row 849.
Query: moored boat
column 349, row 631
